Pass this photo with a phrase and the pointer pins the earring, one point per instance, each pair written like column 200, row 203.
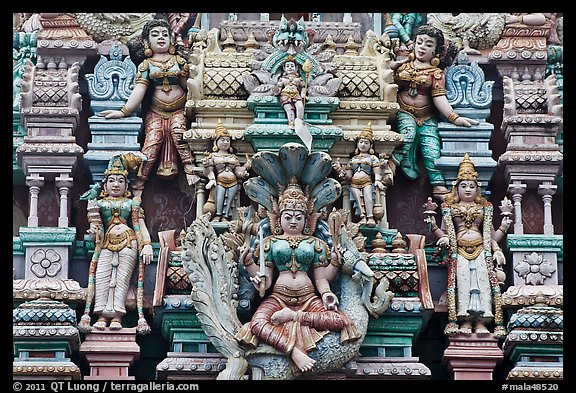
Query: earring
column 371, row 151
column 147, row 51
column 214, row 148
column 435, row 61
column 104, row 193
column 306, row 231
column 171, row 49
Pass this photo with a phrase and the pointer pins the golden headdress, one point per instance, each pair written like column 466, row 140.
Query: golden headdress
column 116, row 167
column 366, row 132
column 293, row 198
column 466, row 171
column 220, row 131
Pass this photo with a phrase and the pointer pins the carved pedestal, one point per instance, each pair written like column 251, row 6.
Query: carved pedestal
column 44, row 337
column 472, row 357
column 110, row 353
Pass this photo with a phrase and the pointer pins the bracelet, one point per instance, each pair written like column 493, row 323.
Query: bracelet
column 434, row 228
column 522, row 19
column 125, row 111
column 147, row 243
column 453, row 116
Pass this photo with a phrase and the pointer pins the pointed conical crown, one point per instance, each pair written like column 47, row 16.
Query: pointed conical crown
column 466, row 171
column 116, row 167
column 220, row 130
column 293, row 198
column 366, row 132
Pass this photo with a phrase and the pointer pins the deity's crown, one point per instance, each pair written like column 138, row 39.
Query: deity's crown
column 366, row 132
column 116, row 167
column 466, row 171
column 293, row 198
column 220, row 131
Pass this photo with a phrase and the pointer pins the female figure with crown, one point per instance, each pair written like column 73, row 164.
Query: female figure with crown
column 467, row 231
column 223, row 170
column 365, row 176
column 302, row 307
column 422, row 96
column 165, row 122
column 121, row 236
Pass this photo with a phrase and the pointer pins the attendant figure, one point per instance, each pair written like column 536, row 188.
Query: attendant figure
column 422, row 96
column 166, row 73
column 364, row 172
column 291, row 90
column 301, row 308
column 467, row 232
column 224, row 173
column 122, row 243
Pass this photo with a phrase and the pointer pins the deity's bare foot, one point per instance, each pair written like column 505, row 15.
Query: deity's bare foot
column 481, row 329
column 282, row 316
column 100, row 324
column 116, row 324
column 370, row 222
column 302, row 360
column 466, row 328
column 362, row 220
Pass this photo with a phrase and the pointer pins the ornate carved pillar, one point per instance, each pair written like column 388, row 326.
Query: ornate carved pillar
column 63, row 183
column 517, row 190
column 50, row 104
column 547, row 190
column 34, row 182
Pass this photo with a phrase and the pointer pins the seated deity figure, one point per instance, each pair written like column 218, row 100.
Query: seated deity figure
column 293, row 318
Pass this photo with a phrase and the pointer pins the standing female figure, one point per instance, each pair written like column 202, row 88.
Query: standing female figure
column 365, row 176
column 165, row 123
column 223, row 171
column 293, row 318
column 473, row 291
column 422, row 96
column 121, row 237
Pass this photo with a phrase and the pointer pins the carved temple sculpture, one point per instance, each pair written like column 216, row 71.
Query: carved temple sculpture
column 297, row 196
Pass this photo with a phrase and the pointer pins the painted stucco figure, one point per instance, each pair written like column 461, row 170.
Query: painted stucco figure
column 422, row 98
column 224, row 173
column 474, row 256
column 122, row 243
column 298, row 261
column 165, row 72
column 364, row 172
column 293, row 318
